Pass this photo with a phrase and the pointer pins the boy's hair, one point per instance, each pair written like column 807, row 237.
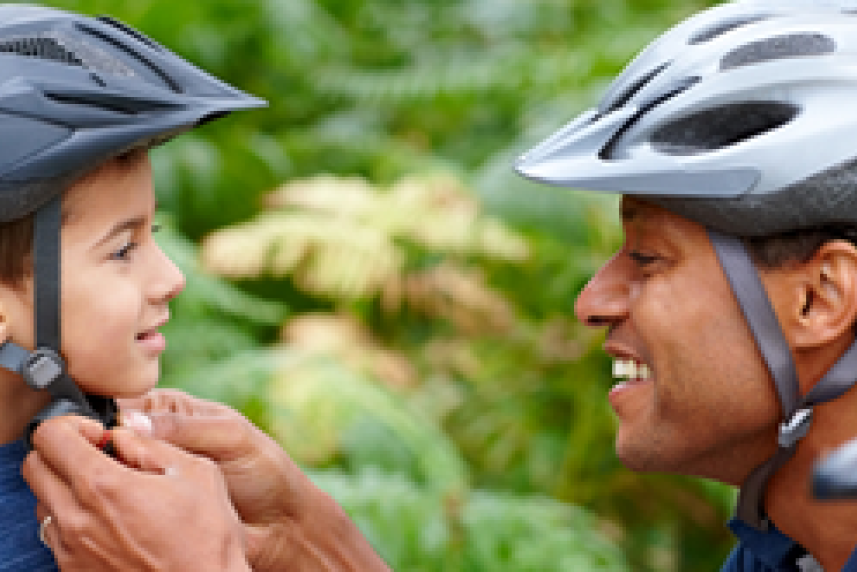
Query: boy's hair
column 16, row 250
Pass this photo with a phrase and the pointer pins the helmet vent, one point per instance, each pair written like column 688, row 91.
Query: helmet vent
column 63, row 49
column 40, row 47
column 130, row 31
column 778, row 48
column 723, row 27
column 613, row 101
column 721, row 127
column 675, row 88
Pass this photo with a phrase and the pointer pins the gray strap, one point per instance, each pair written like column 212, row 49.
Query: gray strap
column 754, row 302
column 13, row 356
column 751, row 497
column 46, row 272
column 797, row 411
column 838, row 379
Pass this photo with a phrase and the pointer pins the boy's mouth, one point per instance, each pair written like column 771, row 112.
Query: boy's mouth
column 152, row 341
column 152, row 338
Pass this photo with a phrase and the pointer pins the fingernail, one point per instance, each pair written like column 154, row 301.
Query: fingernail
column 137, row 421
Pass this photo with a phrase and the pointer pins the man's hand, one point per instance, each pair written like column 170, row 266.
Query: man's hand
column 163, row 510
column 290, row 524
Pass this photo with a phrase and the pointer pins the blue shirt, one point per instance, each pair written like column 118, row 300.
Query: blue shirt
column 770, row 551
column 20, row 547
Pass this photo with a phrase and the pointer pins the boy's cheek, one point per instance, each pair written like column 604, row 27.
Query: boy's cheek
column 115, row 374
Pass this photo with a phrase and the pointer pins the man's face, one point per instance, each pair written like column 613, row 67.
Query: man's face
column 707, row 406
column 116, row 283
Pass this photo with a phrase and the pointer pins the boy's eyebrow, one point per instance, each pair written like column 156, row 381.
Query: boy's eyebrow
column 133, row 223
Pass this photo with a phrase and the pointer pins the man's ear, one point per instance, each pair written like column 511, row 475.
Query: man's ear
column 825, row 305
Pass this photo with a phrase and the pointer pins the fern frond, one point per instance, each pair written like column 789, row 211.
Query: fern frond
column 448, row 292
column 325, row 255
column 320, row 407
column 207, row 292
column 346, row 339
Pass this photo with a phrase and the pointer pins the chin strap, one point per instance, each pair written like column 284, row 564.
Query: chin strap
column 44, row 369
column 797, row 411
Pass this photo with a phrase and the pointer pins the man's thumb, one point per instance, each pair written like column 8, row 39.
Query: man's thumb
column 138, row 422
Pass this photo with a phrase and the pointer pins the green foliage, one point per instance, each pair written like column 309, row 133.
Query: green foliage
column 457, row 408
column 486, row 531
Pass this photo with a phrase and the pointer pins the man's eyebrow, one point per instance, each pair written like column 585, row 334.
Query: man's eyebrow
column 628, row 211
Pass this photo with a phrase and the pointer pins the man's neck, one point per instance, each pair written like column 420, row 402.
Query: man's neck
column 18, row 405
column 825, row 529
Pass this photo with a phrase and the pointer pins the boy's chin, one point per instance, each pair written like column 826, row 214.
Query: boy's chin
column 127, row 390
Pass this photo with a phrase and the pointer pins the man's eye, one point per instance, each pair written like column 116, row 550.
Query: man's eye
column 642, row 259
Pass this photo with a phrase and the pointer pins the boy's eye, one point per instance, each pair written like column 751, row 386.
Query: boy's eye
column 124, row 252
column 642, row 259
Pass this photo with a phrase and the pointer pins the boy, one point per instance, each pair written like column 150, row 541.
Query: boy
column 81, row 99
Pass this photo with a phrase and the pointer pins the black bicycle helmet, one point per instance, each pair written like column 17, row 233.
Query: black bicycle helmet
column 740, row 118
column 76, row 91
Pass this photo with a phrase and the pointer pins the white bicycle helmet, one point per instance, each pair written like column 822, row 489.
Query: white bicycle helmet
column 741, row 118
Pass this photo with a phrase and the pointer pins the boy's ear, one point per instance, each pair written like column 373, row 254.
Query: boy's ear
column 4, row 323
column 825, row 301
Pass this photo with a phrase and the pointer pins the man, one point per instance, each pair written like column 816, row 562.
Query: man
column 730, row 308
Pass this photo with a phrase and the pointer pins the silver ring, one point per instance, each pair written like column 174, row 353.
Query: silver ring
column 42, row 527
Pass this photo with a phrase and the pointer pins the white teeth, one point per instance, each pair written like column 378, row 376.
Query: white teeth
column 624, row 368
column 629, row 369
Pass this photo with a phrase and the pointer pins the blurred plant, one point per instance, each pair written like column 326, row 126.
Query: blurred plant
column 344, row 239
column 399, row 298
column 487, row 531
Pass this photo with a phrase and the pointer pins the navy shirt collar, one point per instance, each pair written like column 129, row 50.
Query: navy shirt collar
column 772, row 548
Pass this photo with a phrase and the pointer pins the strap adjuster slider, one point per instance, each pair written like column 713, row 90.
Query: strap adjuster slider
column 796, row 427
column 42, row 368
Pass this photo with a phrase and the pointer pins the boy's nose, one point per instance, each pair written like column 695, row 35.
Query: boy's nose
column 604, row 300
column 171, row 280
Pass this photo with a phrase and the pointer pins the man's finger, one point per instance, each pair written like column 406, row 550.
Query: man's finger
column 171, row 401
column 65, row 441
column 218, row 437
column 144, row 453
column 69, row 446
column 53, row 493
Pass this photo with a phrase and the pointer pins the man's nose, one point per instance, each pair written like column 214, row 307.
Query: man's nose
column 604, row 300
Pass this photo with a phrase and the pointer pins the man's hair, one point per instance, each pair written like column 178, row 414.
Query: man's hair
column 778, row 250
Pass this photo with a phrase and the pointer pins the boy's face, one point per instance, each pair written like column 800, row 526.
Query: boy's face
column 116, row 283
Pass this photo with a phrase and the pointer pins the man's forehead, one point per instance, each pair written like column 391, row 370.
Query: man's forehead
column 632, row 209
column 642, row 218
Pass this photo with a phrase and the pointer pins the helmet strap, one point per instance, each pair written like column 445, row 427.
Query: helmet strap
column 47, row 270
column 797, row 411
column 45, row 369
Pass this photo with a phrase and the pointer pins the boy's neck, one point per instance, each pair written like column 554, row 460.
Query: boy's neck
column 18, row 405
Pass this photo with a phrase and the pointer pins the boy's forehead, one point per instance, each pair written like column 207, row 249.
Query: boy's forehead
column 105, row 178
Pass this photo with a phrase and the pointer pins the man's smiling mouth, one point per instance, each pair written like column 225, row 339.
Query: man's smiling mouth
column 631, row 370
